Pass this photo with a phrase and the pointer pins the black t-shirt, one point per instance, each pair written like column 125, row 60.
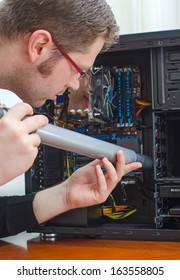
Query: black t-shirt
column 16, row 214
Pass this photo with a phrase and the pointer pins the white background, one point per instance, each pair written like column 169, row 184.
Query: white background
column 133, row 16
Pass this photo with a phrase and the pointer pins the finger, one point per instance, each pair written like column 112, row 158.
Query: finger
column 19, row 111
column 123, row 168
column 34, row 122
column 102, row 185
column 34, row 139
column 110, row 174
column 132, row 166
column 120, row 164
column 95, row 162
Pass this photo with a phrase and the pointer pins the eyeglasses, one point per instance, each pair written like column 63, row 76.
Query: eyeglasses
column 82, row 73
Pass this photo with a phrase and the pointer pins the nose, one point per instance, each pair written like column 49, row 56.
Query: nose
column 73, row 83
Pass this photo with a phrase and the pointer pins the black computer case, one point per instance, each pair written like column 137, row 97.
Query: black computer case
column 135, row 99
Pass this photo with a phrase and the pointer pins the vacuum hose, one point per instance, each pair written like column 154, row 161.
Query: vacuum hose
column 71, row 141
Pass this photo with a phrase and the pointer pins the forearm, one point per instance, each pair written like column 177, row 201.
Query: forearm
column 21, row 213
column 50, row 203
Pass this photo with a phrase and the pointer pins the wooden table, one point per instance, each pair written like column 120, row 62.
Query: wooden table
column 90, row 249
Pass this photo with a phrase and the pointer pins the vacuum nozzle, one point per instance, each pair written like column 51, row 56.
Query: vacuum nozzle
column 69, row 140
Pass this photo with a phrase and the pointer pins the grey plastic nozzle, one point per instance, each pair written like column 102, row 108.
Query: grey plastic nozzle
column 69, row 140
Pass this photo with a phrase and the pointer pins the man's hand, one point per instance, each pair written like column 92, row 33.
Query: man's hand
column 90, row 185
column 18, row 140
column 87, row 186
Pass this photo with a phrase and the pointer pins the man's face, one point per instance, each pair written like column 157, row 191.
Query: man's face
column 35, row 89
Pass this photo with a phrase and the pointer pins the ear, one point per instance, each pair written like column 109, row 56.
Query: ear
column 39, row 45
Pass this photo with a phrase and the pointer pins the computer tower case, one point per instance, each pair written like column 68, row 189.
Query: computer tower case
column 135, row 101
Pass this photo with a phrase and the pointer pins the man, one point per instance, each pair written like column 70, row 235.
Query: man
column 46, row 46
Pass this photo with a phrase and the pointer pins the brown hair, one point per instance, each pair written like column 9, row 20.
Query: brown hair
column 75, row 24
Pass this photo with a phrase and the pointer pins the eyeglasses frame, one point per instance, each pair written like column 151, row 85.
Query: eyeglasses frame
column 82, row 73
